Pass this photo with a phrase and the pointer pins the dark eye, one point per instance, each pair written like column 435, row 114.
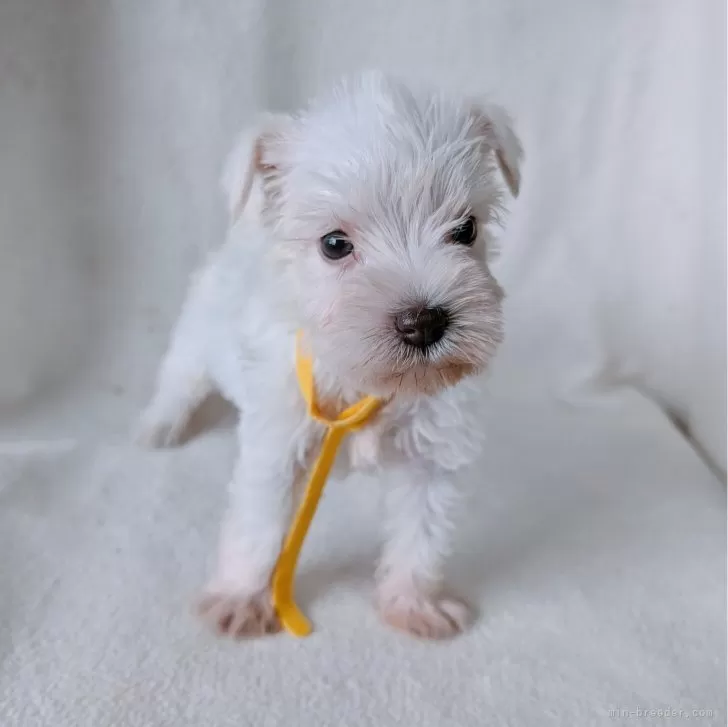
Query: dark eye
column 335, row 245
column 465, row 233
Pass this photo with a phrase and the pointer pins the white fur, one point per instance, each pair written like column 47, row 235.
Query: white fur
column 395, row 169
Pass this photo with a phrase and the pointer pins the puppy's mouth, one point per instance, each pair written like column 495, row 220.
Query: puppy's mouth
column 383, row 362
column 416, row 371
column 423, row 380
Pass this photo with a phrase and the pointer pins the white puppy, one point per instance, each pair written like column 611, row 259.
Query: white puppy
column 362, row 222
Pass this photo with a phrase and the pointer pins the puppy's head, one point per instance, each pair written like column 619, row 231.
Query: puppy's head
column 378, row 201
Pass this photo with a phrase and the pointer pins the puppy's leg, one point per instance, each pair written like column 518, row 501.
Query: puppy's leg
column 182, row 385
column 420, row 505
column 237, row 601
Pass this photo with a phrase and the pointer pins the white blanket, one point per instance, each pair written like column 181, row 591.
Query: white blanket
column 595, row 551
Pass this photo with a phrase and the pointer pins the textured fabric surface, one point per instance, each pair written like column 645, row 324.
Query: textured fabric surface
column 595, row 551
column 594, row 554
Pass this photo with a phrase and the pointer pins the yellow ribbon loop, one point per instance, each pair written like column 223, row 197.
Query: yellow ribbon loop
column 350, row 419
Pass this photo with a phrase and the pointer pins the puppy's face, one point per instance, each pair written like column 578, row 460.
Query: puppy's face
column 380, row 201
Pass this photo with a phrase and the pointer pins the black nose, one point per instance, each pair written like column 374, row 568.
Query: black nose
column 422, row 327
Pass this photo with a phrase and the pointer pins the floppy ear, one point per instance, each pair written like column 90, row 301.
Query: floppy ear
column 497, row 128
column 256, row 152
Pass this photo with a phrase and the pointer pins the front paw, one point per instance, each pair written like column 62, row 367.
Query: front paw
column 424, row 616
column 237, row 615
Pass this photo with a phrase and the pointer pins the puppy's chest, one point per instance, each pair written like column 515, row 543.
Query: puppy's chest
column 364, row 449
column 379, row 442
column 440, row 431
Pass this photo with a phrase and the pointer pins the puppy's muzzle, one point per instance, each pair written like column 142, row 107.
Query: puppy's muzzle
column 422, row 327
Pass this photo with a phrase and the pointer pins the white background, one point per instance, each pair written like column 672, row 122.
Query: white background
column 114, row 120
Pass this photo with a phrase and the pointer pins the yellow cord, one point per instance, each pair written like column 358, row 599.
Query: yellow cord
column 354, row 417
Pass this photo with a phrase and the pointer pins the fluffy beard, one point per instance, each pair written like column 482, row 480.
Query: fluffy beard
column 375, row 361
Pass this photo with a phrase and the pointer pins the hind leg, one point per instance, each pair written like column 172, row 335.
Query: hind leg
column 182, row 385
